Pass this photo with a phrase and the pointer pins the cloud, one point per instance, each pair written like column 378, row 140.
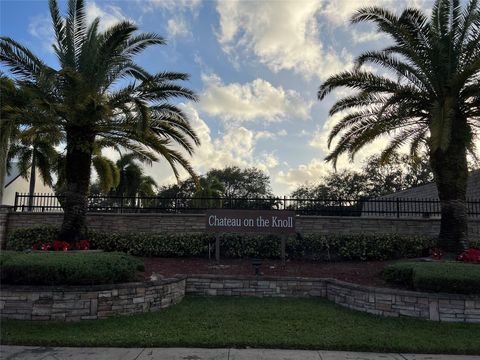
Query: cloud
column 40, row 27
column 304, row 173
column 283, row 35
column 109, row 15
column 170, row 5
column 177, row 27
column 250, row 101
column 234, row 147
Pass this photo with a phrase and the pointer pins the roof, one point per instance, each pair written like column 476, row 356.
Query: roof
column 429, row 191
column 11, row 176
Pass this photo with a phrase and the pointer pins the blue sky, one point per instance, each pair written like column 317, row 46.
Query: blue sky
column 256, row 66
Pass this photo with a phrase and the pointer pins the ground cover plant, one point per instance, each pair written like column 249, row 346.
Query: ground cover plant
column 311, row 246
column 444, row 276
column 253, row 322
column 67, row 268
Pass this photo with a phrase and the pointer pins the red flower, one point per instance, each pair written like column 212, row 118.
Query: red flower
column 45, row 247
column 436, row 254
column 82, row 245
column 470, row 255
column 61, row 245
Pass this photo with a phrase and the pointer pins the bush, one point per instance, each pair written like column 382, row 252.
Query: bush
column 310, row 246
column 63, row 268
column 24, row 239
column 451, row 277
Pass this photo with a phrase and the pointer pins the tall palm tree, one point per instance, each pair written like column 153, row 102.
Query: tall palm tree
column 88, row 99
column 433, row 101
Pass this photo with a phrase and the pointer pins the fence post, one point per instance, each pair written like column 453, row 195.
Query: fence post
column 398, row 207
column 15, row 205
column 284, row 202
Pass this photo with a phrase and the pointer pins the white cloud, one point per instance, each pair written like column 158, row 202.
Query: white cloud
column 235, row 147
column 255, row 100
column 366, row 36
column 179, row 10
column 170, row 5
column 177, row 27
column 283, row 35
column 40, row 27
column 109, row 15
column 304, row 173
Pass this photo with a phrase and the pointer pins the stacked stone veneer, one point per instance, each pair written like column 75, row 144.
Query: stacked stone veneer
column 379, row 301
column 155, row 223
column 73, row 303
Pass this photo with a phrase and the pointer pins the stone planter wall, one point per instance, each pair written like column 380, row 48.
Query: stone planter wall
column 73, row 303
column 379, row 301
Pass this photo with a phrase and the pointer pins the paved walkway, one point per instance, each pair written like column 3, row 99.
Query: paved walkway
column 60, row 353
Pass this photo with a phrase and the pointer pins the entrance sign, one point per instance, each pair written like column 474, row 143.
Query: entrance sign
column 250, row 221
column 221, row 221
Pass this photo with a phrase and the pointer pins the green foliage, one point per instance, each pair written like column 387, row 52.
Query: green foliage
column 310, row 246
column 63, row 268
column 451, row 277
column 23, row 239
column 474, row 244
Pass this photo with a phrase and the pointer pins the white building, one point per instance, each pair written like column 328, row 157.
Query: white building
column 16, row 183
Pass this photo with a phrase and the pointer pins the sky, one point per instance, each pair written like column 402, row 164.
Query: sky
column 256, row 66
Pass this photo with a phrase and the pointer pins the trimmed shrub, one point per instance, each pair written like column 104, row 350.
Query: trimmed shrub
column 310, row 246
column 24, row 239
column 450, row 277
column 63, row 268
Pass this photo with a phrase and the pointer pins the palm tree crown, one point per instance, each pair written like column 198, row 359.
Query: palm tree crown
column 432, row 99
column 90, row 99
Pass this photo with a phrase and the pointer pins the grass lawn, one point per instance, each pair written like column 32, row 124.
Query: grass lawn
column 254, row 322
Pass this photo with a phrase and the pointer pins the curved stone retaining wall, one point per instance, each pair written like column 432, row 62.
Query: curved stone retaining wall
column 101, row 301
column 72, row 303
column 380, row 301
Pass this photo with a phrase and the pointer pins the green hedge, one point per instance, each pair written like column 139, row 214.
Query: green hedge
column 312, row 246
column 61, row 268
column 450, row 277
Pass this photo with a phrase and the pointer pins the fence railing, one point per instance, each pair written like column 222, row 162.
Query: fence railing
column 395, row 207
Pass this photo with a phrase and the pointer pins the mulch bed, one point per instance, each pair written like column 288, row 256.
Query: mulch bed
column 365, row 273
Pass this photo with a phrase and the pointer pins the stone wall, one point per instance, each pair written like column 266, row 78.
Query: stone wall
column 212, row 285
column 96, row 302
column 73, row 303
column 155, row 223
column 379, row 301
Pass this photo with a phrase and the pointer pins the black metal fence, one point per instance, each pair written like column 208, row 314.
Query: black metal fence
column 395, row 207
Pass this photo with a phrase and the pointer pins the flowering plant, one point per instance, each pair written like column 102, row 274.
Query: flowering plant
column 82, row 245
column 470, row 255
column 436, row 254
column 58, row 245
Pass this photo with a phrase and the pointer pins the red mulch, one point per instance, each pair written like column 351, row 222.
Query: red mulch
column 365, row 272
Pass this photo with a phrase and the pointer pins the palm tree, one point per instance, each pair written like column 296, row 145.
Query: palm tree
column 88, row 101
column 208, row 192
column 132, row 181
column 434, row 101
column 34, row 150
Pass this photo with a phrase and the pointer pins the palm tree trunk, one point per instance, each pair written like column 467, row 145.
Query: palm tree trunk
column 78, row 168
column 33, row 176
column 451, row 174
column 4, row 142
